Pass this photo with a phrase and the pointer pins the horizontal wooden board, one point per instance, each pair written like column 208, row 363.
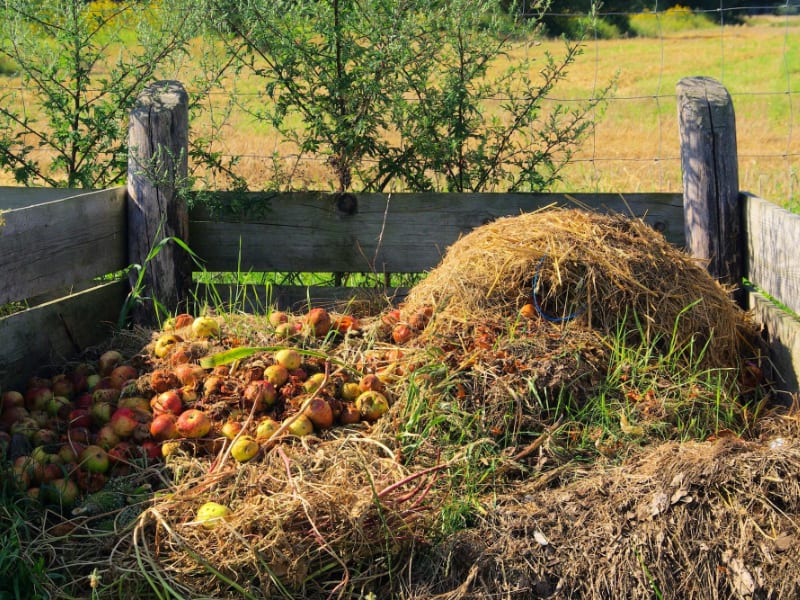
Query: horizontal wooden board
column 378, row 233
column 782, row 333
column 55, row 245
column 20, row 197
column 46, row 336
column 773, row 241
column 261, row 299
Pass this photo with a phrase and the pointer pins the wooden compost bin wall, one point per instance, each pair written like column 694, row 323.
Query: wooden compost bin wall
column 53, row 245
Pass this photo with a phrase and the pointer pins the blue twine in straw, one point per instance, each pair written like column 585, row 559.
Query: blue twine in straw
column 536, row 305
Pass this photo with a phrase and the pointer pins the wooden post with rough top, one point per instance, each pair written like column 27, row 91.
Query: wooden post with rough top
column 158, row 139
column 709, row 161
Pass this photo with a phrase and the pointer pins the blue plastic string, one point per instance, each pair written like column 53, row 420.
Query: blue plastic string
column 538, row 308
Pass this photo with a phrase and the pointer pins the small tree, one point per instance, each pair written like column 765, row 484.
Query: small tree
column 402, row 92
column 80, row 67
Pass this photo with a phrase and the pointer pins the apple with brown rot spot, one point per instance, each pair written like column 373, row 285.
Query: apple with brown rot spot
column 372, row 405
column 94, row 459
column 266, row 428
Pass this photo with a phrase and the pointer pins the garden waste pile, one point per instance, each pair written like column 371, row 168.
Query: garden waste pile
column 567, row 406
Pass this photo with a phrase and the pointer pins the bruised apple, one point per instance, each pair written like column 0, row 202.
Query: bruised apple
column 266, row 428
column 167, row 402
column 372, row 405
column 320, row 413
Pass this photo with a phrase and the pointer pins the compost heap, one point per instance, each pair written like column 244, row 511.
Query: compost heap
column 518, row 326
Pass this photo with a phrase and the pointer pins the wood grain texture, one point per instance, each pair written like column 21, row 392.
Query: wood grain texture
column 782, row 334
column 55, row 245
column 53, row 333
column 20, row 197
column 709, row 163
column 773, row 243
column 398, row 233
column 157, row 167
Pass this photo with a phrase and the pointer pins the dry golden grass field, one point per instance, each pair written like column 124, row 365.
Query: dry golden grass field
column 635, row 145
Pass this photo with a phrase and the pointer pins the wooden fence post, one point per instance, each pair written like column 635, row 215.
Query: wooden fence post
column 711, row 202
column 158, row 138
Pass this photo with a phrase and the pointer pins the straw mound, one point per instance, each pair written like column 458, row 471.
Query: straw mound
column 682, row 521
column 584, row 269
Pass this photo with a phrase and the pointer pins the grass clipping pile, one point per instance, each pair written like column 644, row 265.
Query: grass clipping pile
column 518, row 314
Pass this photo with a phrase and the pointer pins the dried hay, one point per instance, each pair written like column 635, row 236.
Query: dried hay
column 679, row 521
column 585, row 270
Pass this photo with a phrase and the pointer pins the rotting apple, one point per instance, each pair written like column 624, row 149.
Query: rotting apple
column 189, row 374
column 313, row 382
column 162, row 380
column 320, row 413
column 230, row 428
column 372, row 405
column 259, row 395
column 349, row 414
column 278, row 317
column 370, row 382
column 318, row 321
column 167, row 402
column 165, row 344
column 244, row 448
column 63, row 386
column 193, row 423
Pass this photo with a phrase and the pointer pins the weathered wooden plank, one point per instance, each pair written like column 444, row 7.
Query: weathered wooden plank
column 773, row 239
column 256, row 299
column 711, row 178
column 379, row 233
column 52, row 333
column 57, row 244
column 157, row 165
column 20, row 197
column 782, row 333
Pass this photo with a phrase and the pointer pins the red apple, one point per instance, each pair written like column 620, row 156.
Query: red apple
column 120, row 452
column 122, row 374
column 150, row 449
column 106, row 437
column 62, row 386
column 350, row 414
column 260, row 394
column 193, row 423
column 79, row 417
column 163, row 427
column 38, row 398
column 11, row 398
column 318, row 321
column 94, row 459
column 189, row 374
column 83, row 400
column 230, row 429
column 123, row 421
column 167, row 402
column 320, row 413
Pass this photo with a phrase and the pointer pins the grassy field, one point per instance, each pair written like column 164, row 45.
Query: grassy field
column 635, row 146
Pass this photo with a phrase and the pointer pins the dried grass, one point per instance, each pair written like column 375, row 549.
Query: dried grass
column 585, row 270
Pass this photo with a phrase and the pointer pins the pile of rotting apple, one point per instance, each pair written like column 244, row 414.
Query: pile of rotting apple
column 329, row 453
